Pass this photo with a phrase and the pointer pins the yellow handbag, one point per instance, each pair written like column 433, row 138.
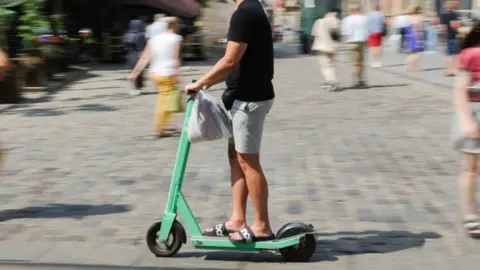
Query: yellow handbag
column 175, row 103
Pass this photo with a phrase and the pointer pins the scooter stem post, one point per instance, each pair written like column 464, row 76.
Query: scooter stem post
column 177, row 178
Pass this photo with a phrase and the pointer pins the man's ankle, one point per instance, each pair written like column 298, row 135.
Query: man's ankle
column 261, row 226
column 237, row 222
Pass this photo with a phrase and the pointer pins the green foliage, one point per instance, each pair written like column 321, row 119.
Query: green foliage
column 58, row 21
column 51, row 50
column 5, row 17
column 31, row 22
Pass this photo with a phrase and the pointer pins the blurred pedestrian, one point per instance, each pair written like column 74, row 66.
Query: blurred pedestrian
column 163, row 54
column 326, row 34
column 135, row 43
column 376, row 31
column 157, row 27
column 354, row 30
column 450, row 22
column 415, row 44
column 401, row 24
column 467, row 127
column 432, row 27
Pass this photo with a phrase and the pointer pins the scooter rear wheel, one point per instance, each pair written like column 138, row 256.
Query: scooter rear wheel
column 301, row 252
column 174, row 241
column 304, row 250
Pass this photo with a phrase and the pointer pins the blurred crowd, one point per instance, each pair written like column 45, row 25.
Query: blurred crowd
column 413, row 33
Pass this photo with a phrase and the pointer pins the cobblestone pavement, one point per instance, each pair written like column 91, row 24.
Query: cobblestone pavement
column 431, row 62
column 372, row 169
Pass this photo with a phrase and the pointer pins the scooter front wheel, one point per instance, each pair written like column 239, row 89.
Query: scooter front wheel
column 173, row 244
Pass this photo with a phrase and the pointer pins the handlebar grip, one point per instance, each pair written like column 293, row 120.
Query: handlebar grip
column 192, row 92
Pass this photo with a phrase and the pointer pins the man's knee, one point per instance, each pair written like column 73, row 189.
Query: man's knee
column 232, row 155
column 249, row 161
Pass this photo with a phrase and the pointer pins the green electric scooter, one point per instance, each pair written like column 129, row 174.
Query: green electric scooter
column 294, row 241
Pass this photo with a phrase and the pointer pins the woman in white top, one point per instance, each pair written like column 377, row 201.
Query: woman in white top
column 163, row 53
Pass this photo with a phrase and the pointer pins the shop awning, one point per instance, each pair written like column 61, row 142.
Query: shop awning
column 181, row 8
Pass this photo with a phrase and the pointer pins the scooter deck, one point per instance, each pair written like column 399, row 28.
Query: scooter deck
column 206, row 242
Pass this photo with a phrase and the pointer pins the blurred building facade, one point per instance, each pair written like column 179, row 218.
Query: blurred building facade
column 395, row 7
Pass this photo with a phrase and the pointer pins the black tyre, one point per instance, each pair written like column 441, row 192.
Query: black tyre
column 304, row 250
column 174, row 242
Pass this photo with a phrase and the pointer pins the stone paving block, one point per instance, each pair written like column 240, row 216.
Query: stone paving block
column 371, row 169
column 190, row 258
column 24, row 251
column 88, row 254
column 328, row 263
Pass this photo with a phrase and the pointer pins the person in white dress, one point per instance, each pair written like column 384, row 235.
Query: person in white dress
column 163, row 54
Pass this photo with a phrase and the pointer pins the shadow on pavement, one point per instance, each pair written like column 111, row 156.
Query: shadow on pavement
column 153, row 137
column 49, row 112
column 354, row 243
column 63, row 211
column 62, row 266
column 115, row 96
column 372, row 86
column 78, row 76
column 433, row 69
column 394, row 65
column 95, row 108
column 98, row 88
column 42, row 112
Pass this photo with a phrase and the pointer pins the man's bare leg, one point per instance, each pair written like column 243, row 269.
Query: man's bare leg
column 375, row 53
column 450, row 65
column 239, row 192
column 454, row 64
column 258, row 190
column 468, row 187
column 237, row 220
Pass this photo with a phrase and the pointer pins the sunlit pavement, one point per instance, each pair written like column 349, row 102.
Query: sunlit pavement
column 371, row 169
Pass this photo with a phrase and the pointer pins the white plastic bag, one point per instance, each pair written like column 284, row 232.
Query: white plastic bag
column 208, row 121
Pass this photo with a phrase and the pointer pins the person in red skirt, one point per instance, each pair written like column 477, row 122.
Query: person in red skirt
column 376, row 25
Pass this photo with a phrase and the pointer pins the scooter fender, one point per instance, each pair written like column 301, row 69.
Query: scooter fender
column 294, row 228
column 183, row 234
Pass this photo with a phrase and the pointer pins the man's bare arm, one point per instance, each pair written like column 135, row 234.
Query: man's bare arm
column 224, row 66
column 143, row 60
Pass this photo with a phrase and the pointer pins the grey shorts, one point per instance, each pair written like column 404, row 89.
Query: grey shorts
column 247, row 125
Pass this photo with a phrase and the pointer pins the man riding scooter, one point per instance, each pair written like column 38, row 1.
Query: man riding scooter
column 247, row 68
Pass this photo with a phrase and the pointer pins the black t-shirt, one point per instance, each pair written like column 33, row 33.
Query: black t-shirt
column 251, row 80
column 446, row 19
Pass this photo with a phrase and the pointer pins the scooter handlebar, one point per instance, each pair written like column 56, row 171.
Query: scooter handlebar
column 192, row 92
